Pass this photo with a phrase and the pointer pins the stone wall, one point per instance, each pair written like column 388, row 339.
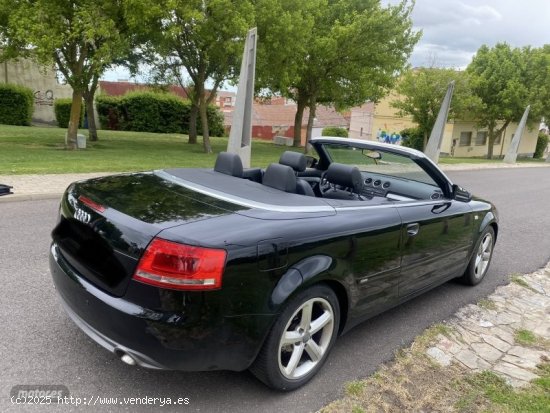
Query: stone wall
column 43, row 83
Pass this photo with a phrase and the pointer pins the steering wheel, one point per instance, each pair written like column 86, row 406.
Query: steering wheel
column 324, row 185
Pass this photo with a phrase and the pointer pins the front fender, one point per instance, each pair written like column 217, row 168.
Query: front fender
column 488, row 219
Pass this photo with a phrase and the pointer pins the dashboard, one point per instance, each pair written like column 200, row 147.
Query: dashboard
column 398, row 189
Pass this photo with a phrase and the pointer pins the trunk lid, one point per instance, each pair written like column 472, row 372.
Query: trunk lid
column 104, row 239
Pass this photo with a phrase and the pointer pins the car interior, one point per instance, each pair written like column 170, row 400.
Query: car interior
column 338, row 181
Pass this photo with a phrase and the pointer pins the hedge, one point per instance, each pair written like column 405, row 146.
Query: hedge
column 413, row 138
column 334, row 131
column 542, row 143
column 153, row 112
column 62, row 109
column 16, row 104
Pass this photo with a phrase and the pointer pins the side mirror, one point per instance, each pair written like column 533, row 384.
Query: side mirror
column 375, row 155
column 460, row 194
column 310, row 161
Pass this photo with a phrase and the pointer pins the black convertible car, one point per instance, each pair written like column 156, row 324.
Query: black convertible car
column 225, row 268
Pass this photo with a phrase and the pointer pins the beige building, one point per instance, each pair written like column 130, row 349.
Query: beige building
column 43, row 83
column 460, row 138
column 468, row 140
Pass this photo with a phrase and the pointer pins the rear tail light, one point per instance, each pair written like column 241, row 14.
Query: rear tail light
column 181, row 267
column 94, row 205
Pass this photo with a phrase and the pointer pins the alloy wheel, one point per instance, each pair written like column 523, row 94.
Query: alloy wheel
column 306, row 338
column 483, row 255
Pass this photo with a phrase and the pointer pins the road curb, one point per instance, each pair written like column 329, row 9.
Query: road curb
column 29, row 197
column 57, row 192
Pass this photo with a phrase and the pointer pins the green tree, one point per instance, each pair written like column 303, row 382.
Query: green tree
column 539, row 72
column 347, row 51
column 505, row 80
column 81, row 37
column 420, row 93
column 201, row 40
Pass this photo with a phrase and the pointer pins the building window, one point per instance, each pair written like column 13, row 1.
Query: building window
column 498, row 138
column 465, row 139
column 481, row 139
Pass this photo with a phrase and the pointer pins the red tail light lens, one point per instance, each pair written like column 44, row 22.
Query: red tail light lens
column 181, row 267
column 94, row 205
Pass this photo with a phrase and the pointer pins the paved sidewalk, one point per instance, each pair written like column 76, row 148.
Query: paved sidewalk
column 485, row 336
column 52, row 186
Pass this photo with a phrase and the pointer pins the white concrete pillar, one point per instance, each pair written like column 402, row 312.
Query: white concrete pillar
column 512, row 153
column 433, row 148
column 241, row 128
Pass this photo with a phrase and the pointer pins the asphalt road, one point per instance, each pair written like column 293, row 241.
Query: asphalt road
column 40, row 345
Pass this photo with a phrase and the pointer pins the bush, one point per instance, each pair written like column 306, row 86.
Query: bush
column 109, row 109
column 16, row 104
column 542, row 143
column 334, row 131
column 153, row 112
column 215, row 122
column 62, row 109
column 412, row 138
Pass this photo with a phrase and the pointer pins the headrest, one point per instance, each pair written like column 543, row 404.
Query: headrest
column 346, row 176
column 229, row 164
column 295, row 160
column 280, row 177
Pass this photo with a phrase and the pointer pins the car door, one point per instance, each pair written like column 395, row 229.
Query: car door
column 436, row 238
column 374, row 258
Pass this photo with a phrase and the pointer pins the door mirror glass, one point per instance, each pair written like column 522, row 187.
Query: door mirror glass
column 310, row 161
column 460, row 194
column 372, row 154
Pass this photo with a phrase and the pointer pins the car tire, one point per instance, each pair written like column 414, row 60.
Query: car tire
column 481, row 259
column 300, row 340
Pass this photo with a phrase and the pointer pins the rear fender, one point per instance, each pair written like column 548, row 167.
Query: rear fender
column 299, row 274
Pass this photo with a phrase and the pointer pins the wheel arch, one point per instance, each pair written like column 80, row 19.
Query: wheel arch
column 343, row 301
column 489, row 219
column 306, row 273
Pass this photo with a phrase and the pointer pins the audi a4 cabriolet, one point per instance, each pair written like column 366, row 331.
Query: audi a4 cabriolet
column 232, row 268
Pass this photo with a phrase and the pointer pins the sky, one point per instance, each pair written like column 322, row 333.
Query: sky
column 454, row 29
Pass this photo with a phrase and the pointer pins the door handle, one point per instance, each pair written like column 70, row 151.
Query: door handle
column 438, row 209
column 412, row 229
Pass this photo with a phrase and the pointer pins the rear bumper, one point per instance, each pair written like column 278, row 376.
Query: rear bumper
column 109, row 344
column 157, row 339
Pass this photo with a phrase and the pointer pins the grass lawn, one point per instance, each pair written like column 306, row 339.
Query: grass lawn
column 449, row 160
column 39, row 150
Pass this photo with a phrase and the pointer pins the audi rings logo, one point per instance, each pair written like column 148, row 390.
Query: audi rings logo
column 82, row 216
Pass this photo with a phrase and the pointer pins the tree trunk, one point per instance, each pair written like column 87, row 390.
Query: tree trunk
column 74, row 120
column 493, row 137
column 203, row 108
column 301, row 105
column 193, row 114
column 92, row 127
column 425, row 140
column 310, row 120
column 89, row 100
column 490, row 145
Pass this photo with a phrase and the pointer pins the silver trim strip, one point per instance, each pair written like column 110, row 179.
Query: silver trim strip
column 396, row 197
column 237, row 200
column 277, row 208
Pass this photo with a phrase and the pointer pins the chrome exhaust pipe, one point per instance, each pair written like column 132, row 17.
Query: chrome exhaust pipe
column 126, row 358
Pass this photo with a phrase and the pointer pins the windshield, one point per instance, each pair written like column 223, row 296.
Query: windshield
column 379, row 162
